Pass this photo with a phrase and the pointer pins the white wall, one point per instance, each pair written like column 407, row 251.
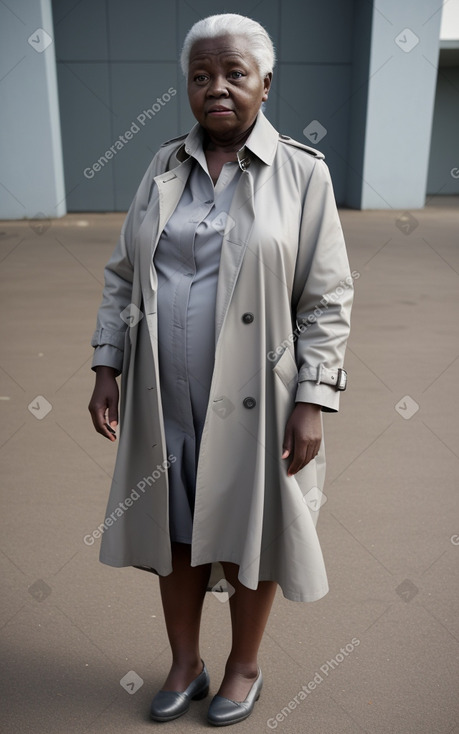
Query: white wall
column 401, row 92
column 31, row 175
column 449, row 29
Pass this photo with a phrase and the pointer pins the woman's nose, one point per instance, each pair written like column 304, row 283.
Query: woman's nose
column 217, row 87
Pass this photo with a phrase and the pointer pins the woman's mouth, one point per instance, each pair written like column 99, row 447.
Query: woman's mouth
column 219, row 111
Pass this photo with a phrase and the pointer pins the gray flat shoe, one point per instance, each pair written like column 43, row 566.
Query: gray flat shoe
column 223, row 711
column 169, row 705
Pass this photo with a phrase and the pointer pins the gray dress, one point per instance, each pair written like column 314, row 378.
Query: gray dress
column 187, row 260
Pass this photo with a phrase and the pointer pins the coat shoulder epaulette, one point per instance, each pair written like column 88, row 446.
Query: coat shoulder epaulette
column 178, row 139
column 296, row 144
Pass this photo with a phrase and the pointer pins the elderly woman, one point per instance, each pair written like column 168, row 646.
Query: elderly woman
column 226, row 311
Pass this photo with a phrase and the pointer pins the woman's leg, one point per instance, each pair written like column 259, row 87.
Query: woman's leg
column 249, row 614
column 182, row 595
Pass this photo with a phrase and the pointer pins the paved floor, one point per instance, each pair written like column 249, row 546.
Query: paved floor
column 380, row 653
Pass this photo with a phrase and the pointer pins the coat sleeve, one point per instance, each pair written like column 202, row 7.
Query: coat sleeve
column 113, row 314
column 322, row 294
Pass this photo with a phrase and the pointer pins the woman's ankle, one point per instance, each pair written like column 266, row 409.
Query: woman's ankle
column 182, row 672
column 246, row 669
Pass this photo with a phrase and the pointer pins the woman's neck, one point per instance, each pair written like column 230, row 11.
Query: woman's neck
column 232, row 145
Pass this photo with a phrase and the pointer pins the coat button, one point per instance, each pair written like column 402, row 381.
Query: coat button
column 249, row 402
column 248, row 317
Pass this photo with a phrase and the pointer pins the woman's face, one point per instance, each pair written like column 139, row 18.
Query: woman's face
column 224, row 86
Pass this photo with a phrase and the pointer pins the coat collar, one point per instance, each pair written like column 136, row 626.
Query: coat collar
column 261, row 143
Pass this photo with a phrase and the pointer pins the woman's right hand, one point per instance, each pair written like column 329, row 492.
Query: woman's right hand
column 103, row 405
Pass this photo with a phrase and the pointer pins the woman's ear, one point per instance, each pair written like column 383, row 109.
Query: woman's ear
column 267, row 85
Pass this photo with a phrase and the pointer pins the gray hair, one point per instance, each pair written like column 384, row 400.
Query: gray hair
column 261, row 46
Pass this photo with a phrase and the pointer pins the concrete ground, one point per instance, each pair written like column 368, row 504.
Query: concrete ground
column 379, row 653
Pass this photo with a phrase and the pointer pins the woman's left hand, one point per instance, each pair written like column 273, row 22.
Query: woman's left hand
column 302, row 437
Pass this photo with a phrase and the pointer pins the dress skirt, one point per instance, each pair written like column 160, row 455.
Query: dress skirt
column 187, row 260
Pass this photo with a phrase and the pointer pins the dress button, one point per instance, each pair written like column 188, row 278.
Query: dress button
column 249, row 402
column 247, row 317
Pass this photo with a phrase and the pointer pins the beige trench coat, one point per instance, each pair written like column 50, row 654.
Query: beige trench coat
column 283, row 261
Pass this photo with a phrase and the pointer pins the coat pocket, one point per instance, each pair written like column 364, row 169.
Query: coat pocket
column 286, row 369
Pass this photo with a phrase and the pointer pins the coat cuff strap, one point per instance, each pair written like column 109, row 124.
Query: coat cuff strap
column 322, row 375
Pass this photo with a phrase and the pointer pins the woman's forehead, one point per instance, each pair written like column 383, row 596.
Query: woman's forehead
column 218, row 48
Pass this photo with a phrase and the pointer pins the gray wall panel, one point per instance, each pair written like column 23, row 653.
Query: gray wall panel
column 321, row 93
column 80, row 30
column 142, row 30
column 185, row 117
column 444, row 148
column 86, row 134
column 361, row 48
column 135, row 92
column 317, row 31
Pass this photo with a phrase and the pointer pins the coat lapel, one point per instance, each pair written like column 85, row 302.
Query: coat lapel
column 170, row 186
column 169, row 189
column 238, row 230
